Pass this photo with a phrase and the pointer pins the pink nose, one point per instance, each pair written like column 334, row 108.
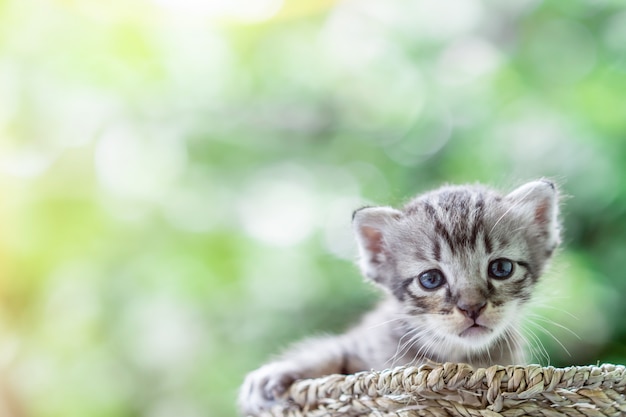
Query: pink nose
column 472, row 311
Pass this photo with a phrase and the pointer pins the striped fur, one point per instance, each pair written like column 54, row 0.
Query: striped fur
column 470, row 315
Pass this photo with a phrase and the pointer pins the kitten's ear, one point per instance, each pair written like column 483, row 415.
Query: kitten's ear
column 371, row 224
column 538, row 201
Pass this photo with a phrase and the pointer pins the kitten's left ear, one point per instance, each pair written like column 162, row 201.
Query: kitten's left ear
column 538, row 202
column 371, row 227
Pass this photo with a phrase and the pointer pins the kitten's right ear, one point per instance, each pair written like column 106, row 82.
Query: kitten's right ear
column 538, row 203
column 371, row 224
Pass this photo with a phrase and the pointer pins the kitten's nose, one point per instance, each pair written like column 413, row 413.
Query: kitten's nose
column 472, row 310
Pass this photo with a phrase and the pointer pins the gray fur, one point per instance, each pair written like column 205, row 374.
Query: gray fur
column 472, row 317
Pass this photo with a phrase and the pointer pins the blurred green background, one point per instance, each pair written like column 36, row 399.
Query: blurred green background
column 177, row 178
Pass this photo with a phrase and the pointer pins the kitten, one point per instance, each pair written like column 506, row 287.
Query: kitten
column 457, row 265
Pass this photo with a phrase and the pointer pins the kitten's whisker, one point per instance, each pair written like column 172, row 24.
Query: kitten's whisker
column 428, row 341
column 549, row 333
column 416, row 339
column 517, row 340
column 506, row 336
column 432, row 349
column 560, row 310
column 398, row 348
column 489, row 356
column 539, row 345
column 535, row 348
column 423, row 351
column 385, row 322
column 542, row 352
column 425, row 348
column 520, row 342
column 554, row 323
column 406, row 347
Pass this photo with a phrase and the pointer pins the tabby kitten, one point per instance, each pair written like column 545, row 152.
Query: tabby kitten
column 457, row 265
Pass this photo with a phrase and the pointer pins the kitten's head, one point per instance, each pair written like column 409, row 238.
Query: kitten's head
column 462, row 260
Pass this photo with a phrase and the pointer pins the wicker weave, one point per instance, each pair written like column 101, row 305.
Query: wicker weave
column 452, row 389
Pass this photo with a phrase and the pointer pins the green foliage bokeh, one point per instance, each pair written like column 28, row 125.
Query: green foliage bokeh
column 177, row 178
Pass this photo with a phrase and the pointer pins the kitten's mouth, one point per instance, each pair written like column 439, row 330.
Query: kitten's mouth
column 475, row 330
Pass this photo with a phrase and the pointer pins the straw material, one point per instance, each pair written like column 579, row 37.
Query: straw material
column 453, row 389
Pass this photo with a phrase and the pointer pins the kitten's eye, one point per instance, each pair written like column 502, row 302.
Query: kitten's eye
column 432, row 279
column 500, row 268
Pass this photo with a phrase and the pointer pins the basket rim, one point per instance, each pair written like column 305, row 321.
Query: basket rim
column 444, row 380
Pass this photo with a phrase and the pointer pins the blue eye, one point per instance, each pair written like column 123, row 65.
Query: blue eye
column 500, row 268
column 432, row 279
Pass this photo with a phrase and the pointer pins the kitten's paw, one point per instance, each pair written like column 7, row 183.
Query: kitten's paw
column 263, row 387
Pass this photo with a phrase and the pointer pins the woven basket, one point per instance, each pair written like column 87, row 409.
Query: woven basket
column 452, row 389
